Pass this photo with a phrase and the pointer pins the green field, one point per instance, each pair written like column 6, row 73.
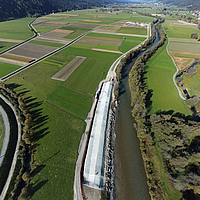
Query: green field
column 51, row 44
column 128, row 44
column 133, row 30
column 184, row 47
column 159, row 79
column 6, row 45
column 2, row 131
column 64, row 106
column 6, row 68
column 179, row 31
column 16, row 29
column 60, row 107
column 193, row 83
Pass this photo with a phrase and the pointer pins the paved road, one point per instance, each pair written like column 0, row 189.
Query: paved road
column 4, row 191
column 7, row 134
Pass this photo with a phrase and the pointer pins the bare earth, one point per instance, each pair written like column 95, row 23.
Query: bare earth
column 183, row 63
column 68, row 69
column 105, row 50
column 62, row 31
column 61, row 23
column 10, row 40
column 32, row 50
column 184, row 53
column 89, row 26
column 60, row 41
column 88, row 20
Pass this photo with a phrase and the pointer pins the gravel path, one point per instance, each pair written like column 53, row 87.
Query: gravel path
column 7, row 134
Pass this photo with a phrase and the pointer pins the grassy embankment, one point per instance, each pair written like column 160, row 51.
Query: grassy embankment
column 160, row 70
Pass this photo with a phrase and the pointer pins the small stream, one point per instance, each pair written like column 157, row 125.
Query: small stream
column 130, row 176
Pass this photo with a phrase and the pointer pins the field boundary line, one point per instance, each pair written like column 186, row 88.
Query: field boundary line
column 63, row 109
column 14, row 161
column 174, row 76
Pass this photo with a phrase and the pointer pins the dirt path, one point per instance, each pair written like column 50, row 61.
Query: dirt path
column 7, row 134
column 10, row 40
column 105, row 50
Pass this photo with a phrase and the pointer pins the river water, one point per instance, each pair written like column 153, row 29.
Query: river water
column 130, row 177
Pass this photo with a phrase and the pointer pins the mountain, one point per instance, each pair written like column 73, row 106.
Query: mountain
column 12, row 9
column 193, row 4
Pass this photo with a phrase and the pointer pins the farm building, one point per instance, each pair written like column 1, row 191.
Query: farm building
column 95, row 158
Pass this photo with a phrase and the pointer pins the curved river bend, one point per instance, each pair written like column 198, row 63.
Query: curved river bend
column 130, row 176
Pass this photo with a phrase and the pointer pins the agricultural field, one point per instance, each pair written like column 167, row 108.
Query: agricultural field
column 62, row 106
column 176, row 29
column 133, row 30
column 192, row 84
column 16, row 29
column 159, row 79
column 175, row 46
column 6, row 68
column 6, row 45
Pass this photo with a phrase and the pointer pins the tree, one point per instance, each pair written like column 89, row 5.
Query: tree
column 26, row 176
column 194, row 35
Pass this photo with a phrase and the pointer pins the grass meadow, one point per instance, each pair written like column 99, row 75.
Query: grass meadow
column 6, row 68
column 179, row 31
column 133, row 30
column 42, row 29
column 6, row 45
column 16, row 29
column 159, row 79
column 193, row 83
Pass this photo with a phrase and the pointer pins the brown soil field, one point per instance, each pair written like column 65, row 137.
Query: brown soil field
column 62, row 31
column 68, row 69
column 32, row 50
column 53, row 35
column 89, row 20
column 184, row 54
column 103, row 38
column 52, row 40
column 88, row 26
column 183, row 63
column 51, row 22
column 10, row 40
column 104, row 50
column 184, row 40
column 14, row 59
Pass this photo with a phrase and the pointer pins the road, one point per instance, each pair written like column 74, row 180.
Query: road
column 4, row 191
column 7, row 134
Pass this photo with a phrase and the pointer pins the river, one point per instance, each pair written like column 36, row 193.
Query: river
column 130, row 176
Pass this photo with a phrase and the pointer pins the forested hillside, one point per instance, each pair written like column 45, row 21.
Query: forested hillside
column 193, row 4
column 12, row 9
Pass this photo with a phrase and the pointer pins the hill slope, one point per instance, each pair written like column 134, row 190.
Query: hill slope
column 193, row 4
column 11, row 9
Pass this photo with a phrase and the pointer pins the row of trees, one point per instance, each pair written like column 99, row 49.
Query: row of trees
column 27, row 123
